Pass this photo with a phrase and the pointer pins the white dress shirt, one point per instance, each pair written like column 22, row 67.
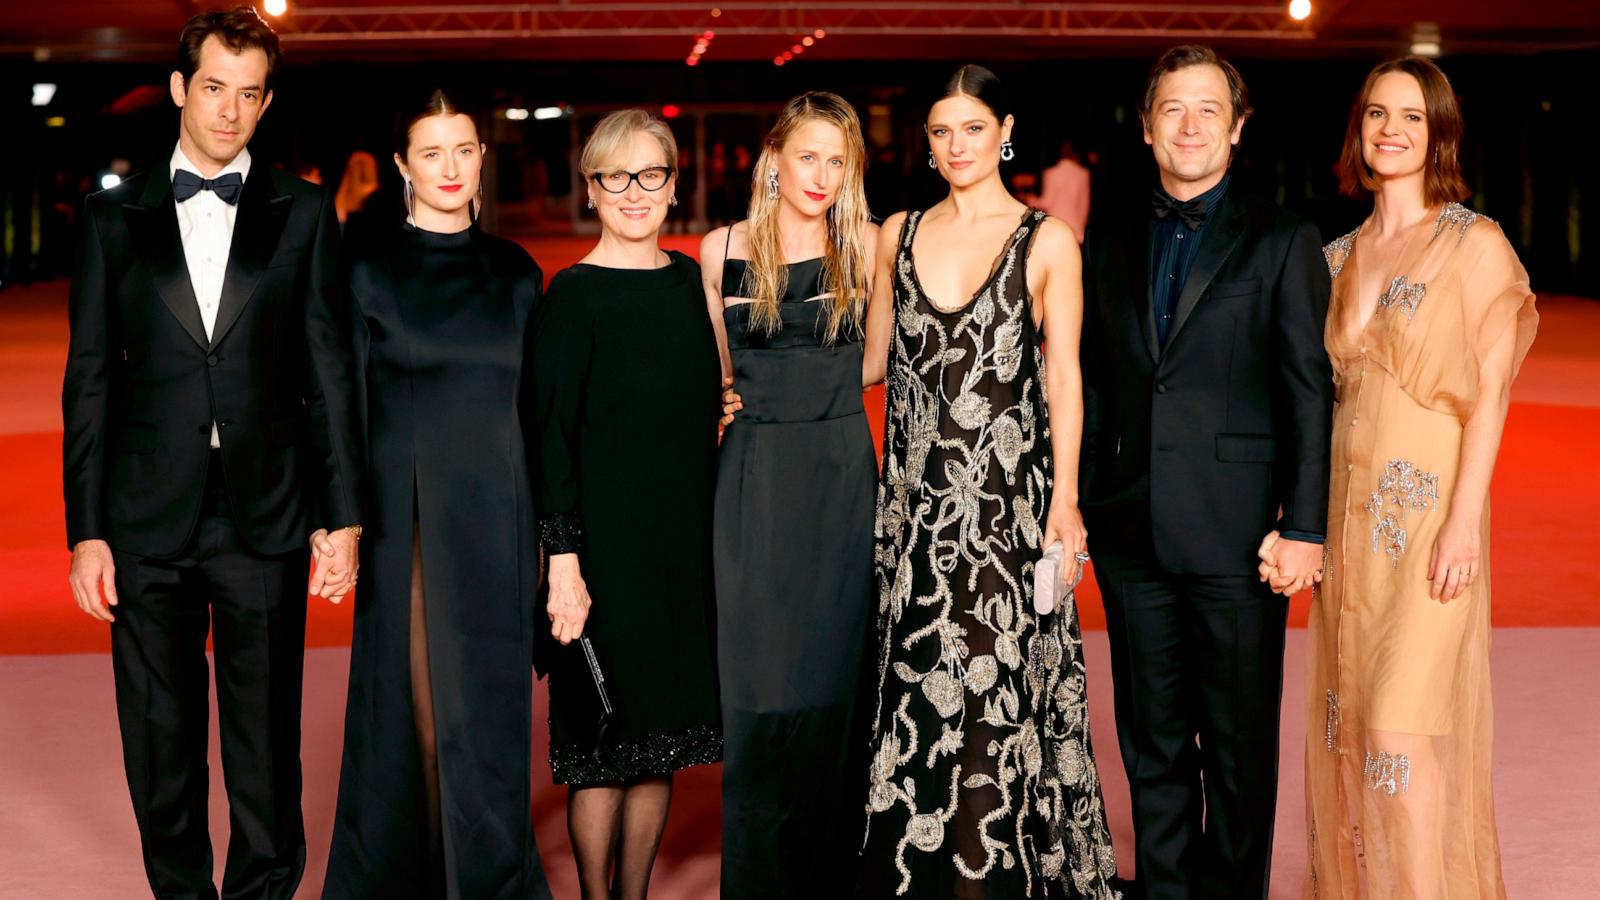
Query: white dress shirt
column 205, row 223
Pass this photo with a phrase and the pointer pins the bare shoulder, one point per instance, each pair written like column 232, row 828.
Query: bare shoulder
column 712, row 244
column 888, row 234
column 869, row 236
column 1056, row 245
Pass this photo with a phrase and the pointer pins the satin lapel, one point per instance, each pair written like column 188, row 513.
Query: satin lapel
column 256, row 229
column 153, row 223
column 1221, row 237
column 1142, row 236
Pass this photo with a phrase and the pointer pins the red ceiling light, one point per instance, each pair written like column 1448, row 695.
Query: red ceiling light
column 670, row 111
column 702, row 43
column 716, row 12
column 777, row 60
column 819, row 34
column 797, row 49
column 808, row 40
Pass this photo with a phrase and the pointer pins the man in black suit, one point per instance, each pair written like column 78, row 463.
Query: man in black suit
column 1207, row 401
column 209, row 429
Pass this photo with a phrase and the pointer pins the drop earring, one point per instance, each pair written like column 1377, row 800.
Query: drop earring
column 673, row 201
column 591, row 203
column 410, row 195
column 931, row 163
column 772, row 184
column 476, row 208
column 1006, row 153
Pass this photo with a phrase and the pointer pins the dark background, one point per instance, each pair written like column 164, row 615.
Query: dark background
column 1525, row 155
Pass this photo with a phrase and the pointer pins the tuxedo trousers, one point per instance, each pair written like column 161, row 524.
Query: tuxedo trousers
column 254, row 608
column 1197, row 673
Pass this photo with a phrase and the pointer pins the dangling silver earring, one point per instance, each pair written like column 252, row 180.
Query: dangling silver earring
column 591, row 203
column 410, row 194
column 476, row 207
column 772, row 184
column 673, row 201
column 931, row 163
column 1006, row 153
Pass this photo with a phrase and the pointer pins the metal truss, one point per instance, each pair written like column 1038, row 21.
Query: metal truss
column 872, row 18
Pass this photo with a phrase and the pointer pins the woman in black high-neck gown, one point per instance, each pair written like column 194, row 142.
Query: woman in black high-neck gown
column 435, row 790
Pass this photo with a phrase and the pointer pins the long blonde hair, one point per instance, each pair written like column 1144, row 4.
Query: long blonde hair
column 846, row 271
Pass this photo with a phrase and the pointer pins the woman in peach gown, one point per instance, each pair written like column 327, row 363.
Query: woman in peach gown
column 1429, row 320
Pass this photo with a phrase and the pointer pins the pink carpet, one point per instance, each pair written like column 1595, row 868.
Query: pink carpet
column 67, row 830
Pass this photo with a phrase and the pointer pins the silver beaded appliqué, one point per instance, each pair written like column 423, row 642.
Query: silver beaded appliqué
column 1388, row 772
column 1455, row 216
column 1337, row 251
column 1330, row 725
column 1402, row 488
column 1403, row 295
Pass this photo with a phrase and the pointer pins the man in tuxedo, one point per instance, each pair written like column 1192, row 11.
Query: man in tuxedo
column 209, row 429
column 1207, row 402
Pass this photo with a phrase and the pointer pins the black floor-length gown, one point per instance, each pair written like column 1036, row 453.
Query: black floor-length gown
column 793, row 530
column 627, row 400
column 440, row 325
column 983, row 783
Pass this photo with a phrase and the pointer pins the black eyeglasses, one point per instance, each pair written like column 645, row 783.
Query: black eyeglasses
column 651, row 179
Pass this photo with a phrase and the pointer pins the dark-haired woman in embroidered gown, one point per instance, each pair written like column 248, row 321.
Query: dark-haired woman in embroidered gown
column 1429, row 320
column 982, row 781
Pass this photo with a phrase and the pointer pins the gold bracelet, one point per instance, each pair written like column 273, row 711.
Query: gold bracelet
column 355, row 531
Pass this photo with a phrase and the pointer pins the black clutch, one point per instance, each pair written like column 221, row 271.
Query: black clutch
column 600, row 689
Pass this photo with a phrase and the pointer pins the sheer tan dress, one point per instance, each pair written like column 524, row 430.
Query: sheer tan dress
column 1399, row 714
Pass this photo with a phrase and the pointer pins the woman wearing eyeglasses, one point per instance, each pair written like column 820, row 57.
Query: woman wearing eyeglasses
column 626, row 404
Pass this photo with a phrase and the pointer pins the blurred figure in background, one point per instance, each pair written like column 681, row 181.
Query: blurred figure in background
column 1065, row 193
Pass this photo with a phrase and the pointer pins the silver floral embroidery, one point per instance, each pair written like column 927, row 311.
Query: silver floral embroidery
column 1330, row 726
column 965, row 486
column 1403, row 295
column 1388, row 772
column 1402, row 488
column 1456, row 216
column 1337, row 251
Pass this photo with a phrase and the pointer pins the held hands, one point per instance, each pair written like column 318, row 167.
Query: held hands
column 731, row 403
column 93, row 572
column 337, row 564
column 1064, row 523
column 568, row 605
column 1289, row 566
column 1454, row 565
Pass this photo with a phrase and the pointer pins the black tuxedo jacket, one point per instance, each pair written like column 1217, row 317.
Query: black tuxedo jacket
column 1202, row 447
column 143, row 383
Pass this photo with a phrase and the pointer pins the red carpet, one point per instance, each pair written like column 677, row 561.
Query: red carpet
column 1545, row 490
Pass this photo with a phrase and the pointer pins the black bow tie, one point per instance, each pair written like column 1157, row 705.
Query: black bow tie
column 1192, row 213
column 186, row 184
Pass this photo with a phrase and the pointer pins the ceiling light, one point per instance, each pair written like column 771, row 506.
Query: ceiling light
column 516, row 114
column 548, row 112
column 1299, row 10
column 43, row 94
column 1425, row 39
column 275, row 7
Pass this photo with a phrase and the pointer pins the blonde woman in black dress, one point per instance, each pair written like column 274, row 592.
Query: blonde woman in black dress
column 787, row 290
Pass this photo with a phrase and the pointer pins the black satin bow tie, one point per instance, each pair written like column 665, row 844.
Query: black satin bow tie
column 1192, row 213
column 186, row 184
